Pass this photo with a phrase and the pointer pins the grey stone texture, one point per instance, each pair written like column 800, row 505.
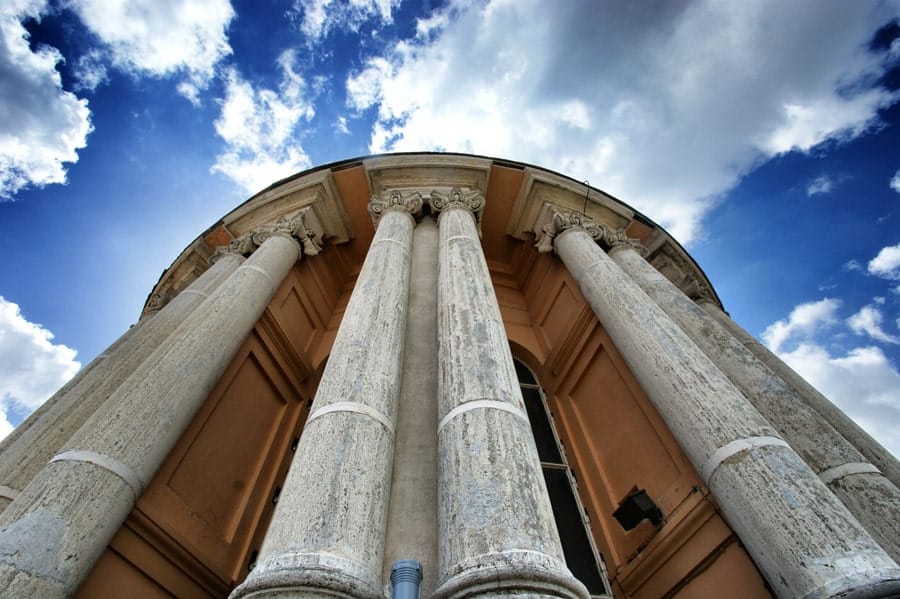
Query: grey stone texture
column 886, row 462
column 412, row 517
column 869, row 496
column 326, row 537
column 23, row 455
column 801, row 537
column 56, row 529
column 497, row 535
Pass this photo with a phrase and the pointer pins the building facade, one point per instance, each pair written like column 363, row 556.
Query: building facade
column 482, row 365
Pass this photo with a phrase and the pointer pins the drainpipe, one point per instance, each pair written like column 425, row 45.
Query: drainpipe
column 406, row 577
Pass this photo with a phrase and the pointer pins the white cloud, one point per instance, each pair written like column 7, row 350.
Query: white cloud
column 162, row 37
column 260, row 128
column 887, row 263
column 32, row 367
column 863, row 383
column 895, row 180
column 320, row 17
column 41, row 125
column 91, row 71
column 341, row 125
column 821, row 184
column 666, row 108
column 852, row 265
column 868, row 321
column 804, row 320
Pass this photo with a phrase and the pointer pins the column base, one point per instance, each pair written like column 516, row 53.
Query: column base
column 309, row 575
column 516, row 573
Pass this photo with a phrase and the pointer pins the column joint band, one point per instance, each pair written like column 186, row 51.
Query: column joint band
column 195, row 292
column 261, row 271
column 838, row 472
column 479, row 404
column 734, row 448
column 356, row 407
column 110, row 464
column 9, row 492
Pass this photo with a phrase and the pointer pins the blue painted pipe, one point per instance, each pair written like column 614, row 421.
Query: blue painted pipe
column 406, row 579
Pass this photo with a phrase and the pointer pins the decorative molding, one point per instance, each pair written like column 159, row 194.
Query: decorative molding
column 394, row 200
column 473, row 201
column 565, row 220
column 296, row 227
column 688, row 279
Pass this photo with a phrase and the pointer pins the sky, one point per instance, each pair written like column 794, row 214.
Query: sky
column 764, row 135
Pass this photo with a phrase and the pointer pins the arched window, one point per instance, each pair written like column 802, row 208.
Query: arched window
column 579, row 549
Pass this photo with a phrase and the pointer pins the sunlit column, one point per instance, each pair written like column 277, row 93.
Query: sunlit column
column 869, row 447
column 801, row 537
column 860, row 486
column 59, row 525
column 327, row 534
column 497, row 534
column 70, row 407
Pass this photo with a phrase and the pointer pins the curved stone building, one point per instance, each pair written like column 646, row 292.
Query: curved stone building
column 482, row 365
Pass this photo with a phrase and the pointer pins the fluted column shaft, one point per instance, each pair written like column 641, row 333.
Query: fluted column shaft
column 327, row 533
column 860, row 486
column 58, row 526
column 886, row 462
column 496, row 531
column 801, row 537
column 71, row 406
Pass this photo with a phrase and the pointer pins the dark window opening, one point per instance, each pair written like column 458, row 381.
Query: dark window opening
column 574, row 533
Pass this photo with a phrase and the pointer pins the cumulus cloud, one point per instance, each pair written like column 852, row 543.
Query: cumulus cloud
column 162, row 37
column 41, row 125
column 666, row 107
column 91, row 71
column 887, row 263
column 319, row 17
column 32, row 367
column 821, row 184
column 260, row 128
column 868, row 321
column 895, row 182
column 804, row 320
column 863, row 383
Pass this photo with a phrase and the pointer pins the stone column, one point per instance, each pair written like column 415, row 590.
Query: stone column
column 71, row 406
column 496, row 529
column 801, row 537
column 860, row 486
column 412, row 517
column 326, row 537
column 869, row 447
column 53, row 533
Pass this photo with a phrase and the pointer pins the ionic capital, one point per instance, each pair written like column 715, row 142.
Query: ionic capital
column 296, row 227
column 617, row 240
column 394, row 200
column 472, row 201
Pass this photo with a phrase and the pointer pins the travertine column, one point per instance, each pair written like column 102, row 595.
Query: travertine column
column 869, row 496
column 869, row 447
column 327, row 534
column 58, row 526
column 71, row 406
column 496, row 530
column 801, row 537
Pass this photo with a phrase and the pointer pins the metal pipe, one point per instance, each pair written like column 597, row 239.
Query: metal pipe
column 406, row 578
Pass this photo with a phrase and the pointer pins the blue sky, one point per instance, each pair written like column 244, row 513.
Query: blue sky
column 764, row 135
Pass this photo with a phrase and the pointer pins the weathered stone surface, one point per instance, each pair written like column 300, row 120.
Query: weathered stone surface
column 801, row 537
column 496, row 528
column 412, row 517
column 327, row 534
column 71, row 406
column 86, row 493
column 871, row 497
column 869, row 447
